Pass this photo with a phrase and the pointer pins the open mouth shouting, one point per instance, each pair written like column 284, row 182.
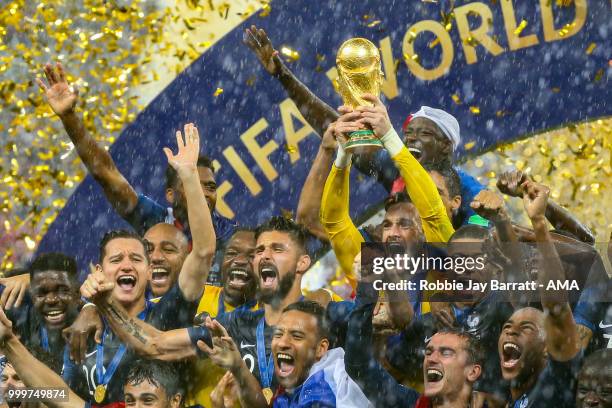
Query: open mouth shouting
column 434, row 375
column 126, row 283
column 238, row 278
column 511, row 355
column 268, row 276
column 285, row 364
column 416, row 152
column 160, row 276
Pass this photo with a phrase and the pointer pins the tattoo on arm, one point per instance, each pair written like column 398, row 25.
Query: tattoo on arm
column 128, row 323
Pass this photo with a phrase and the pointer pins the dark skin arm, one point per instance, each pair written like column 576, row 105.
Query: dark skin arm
column 309, row 204
column 62, row 98
column 225, row 354
column 316, row 112
column 510, row 183
column 490, row 205
column 562, row 341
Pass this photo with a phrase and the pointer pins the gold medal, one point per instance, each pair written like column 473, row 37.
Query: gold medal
column 100, row 393
column 267, row 392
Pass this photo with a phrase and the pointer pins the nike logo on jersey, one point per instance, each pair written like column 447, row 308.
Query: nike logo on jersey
column 604, row 326
column 243, row 345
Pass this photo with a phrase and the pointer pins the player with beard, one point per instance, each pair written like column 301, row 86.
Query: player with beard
column 424, row 219
column 540, row 351
column 451, row 363
column 280, row 260
column 429, row 133
column 147, row 382
column 167, row 247
column 309, row 373
column 238, row 292
column 595, row 381
column 137, row 209
column 123, row 271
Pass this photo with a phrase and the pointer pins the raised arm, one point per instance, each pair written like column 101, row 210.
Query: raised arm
column 562, row 340
column 423, row 192
column 225, row 354
column 63, row 98
column 32, row 372
column 197, row 265
column 145, row 339
column 309, row 205
column 510, row 183
column 343, row 234
column 316, row 112
column 490, row 205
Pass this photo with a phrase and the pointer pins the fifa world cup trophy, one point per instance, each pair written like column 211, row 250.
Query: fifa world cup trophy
column 359, row 73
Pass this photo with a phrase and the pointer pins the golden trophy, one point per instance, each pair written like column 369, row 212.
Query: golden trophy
column 359, row 73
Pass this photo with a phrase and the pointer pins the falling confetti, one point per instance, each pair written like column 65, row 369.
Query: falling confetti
column 591, row 48
column 290, row 53
column 520, row 27
column 456, row 99
column 218, row 92
column 475, row 110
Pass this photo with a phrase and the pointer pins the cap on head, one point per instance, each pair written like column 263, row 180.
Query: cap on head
column 444, row 120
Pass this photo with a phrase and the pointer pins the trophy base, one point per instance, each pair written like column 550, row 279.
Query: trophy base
column 362, row 141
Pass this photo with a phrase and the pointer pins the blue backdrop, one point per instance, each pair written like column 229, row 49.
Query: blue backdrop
column 546, row 84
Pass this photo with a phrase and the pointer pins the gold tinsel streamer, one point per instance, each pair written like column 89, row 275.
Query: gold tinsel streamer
column 575, row 162
column 124, row 52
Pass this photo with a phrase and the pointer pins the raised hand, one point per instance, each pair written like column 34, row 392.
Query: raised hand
column 347, row 123
column 257, row 40
column 97, row 287
column 6, row 327
column 188, row 150
column 535, row 199
column 225, row 393
column 14, row 291
column 376, row 116
column 224, row 352
column 509, row 183
column 87, row 323
column 60, row 95
column 489, row 205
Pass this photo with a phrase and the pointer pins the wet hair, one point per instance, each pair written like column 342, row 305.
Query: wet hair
column 116, row 234
column 242, row 229
column 159, row 373
column 449, row 174
column 471, row 232
column 282, row 224
column 172, row 175
column 314, row 309
column 54, row 261
column 473, row 346
column 396, row 198
column 598, row 360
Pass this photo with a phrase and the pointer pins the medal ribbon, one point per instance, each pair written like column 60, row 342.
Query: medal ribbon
column 44, row 343
column 265, row 370
column 103, row 378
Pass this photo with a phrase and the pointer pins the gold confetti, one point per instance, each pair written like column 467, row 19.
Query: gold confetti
column 374, row 23
column 591, row 48
column 469, row 145
column 291, row 148
column 265, row 11
column 520, row 27
column 456, row 99
column 475, row 110
column 218, row 92
column 290, row 53
column 434, row 42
